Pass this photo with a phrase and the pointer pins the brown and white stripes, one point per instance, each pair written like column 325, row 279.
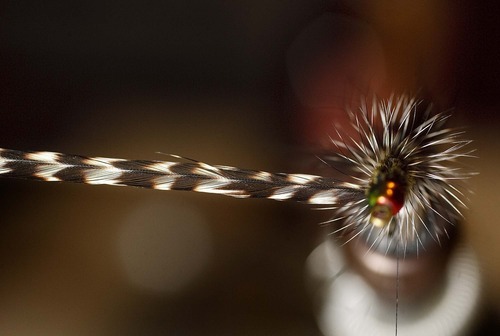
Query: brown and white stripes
column 164, row 175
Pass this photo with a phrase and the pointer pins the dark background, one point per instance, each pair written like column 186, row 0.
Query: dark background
column 215, row 81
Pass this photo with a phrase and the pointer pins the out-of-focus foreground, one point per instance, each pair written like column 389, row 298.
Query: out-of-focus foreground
column 215, row 81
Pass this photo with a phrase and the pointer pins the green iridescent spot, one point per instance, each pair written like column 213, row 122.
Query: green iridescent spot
column 387, row 191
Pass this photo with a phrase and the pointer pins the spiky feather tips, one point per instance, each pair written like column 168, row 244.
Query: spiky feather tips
column 404, row 190
column 406, row 161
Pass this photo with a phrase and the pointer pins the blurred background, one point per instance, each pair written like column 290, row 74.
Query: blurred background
column 252, row 84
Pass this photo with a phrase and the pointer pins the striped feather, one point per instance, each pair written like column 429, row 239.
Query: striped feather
column 163, row 175
column 392, row 141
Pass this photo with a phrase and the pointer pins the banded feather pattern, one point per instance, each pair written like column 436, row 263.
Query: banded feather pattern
column 163, row 175
column 403, row 188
